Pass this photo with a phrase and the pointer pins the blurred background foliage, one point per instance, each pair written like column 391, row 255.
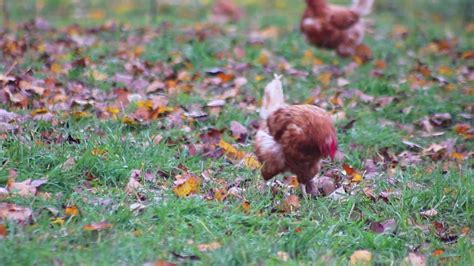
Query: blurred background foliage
column 142, row 12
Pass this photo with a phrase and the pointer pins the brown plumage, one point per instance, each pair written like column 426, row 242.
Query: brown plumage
column 293, row 138
column 335, row 27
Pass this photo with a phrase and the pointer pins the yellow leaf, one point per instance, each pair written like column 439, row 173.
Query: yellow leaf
column 444, row 70
column 98, row 152
column 263, row 58
column 129, row 121
column 58, row 221
column 361, row 257
column 186, row 186
column 308, row 57
column 357, row 177
column 458, row 156
column 325, row 78
column 251, row 162
column 79, row 114
column 138, row 51
column 146, row 103
column 39, row 111
column 310, row 100
column 71, row 211
column 112, row 110
column 220, row 194
column 165, row 109
column 231, row 151
column 56, row 68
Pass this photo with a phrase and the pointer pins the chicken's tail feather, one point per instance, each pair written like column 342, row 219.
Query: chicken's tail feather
column 362, row 7
column 273, row 97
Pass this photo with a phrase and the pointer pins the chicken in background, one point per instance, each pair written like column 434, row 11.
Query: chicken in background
column 293, row 138
column 335, row 27
column 226, row 10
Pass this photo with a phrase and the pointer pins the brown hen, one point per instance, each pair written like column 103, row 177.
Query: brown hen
column 335, row 27
column 293, row 138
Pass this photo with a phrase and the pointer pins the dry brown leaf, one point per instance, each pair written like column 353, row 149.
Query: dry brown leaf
column 133, row 184
column 361, row 257
column 3, row 231
column 27, row 188
column 209, row 247
column 429, row 213
column 283, row 256
column 387, row 226
column 13, row 212
column 246, row 206
column 290, row 204
column 414, row 259
column 97, row 226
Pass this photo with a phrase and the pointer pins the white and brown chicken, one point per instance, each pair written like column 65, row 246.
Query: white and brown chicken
column 293, row 138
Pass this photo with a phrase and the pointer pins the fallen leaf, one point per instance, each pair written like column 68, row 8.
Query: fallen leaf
column 245, row 206
column 338, row 194
column 387, row 226
column 3, row 192
column 414, row 259
column 369, row 192
column 97, row 226
column 133, row 184
column 441, row 120
column 464, row 130
column 27, row 188
column 429, row 213
column 71, row 210
column 283, row 256
column 220, row 194
column 68, row 164
column 251, row 162
column 438, row 252
column 239, row 132
column 58, row 221
column 292, row 181
column 13, row 212
column 325, row 78
column 209, row 247
column 186, row 185
column 351, row 172
column 325, row 185
column 361, row 257
column 290, row 204
column 3, row 231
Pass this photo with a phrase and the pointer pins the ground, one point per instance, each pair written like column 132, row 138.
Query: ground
column 139, row 132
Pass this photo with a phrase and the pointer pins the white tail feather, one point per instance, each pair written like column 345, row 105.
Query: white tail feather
column 362, row 7
column 273, row 97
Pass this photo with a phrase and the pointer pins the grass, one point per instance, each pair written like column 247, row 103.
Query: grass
column 324, row 231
